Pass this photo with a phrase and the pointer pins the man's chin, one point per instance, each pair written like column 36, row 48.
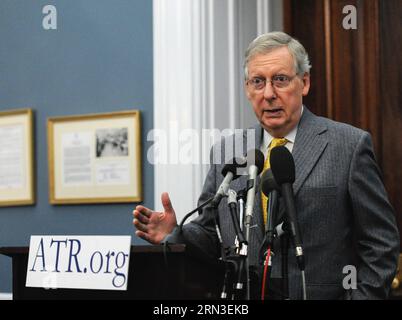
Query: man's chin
column 273, row 123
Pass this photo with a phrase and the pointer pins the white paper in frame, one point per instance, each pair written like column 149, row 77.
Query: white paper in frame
column 16, row 158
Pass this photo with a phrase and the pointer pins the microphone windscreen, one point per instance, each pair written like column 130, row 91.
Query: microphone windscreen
column 255, row 157
column 282, row 165
column 268, row 182
column 233, row 165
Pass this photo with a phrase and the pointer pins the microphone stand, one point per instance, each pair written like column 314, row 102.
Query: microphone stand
column 235, row 261
column 272, row 207
column 247, row 226
column 226, row 288
column 241, row 246
column 240, row 253
column 241, row 198
column 240, row 242
column 247, row 218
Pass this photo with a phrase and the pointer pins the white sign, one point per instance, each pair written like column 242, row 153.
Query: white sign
column 79, row 262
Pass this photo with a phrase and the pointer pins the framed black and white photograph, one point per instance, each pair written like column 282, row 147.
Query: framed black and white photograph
column 112, row 142
column 95, row 158
column 16, row 158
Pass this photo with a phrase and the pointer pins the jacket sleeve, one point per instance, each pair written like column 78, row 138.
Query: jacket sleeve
column 377, row 237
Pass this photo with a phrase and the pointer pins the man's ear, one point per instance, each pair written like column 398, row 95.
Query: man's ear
column 306, row 84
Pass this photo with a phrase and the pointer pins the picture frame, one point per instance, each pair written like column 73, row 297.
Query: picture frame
column 17, row 185
column 95, row 158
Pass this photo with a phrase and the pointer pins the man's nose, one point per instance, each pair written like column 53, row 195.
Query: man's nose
column 269, row 91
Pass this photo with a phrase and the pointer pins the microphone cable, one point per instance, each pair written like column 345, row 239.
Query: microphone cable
column 192, row 212
column 267, row 264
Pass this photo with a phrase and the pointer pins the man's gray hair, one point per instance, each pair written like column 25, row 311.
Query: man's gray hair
column 267, row 42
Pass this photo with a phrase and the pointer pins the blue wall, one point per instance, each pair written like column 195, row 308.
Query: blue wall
column 98, row 60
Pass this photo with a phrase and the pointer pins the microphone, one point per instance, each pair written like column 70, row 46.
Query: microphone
column 255, row 160
column 271, row 190
column 268, row 182
column 230, row 173
column 283, row 170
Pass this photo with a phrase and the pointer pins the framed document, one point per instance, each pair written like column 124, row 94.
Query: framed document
column 95, row 158
column 16, row 158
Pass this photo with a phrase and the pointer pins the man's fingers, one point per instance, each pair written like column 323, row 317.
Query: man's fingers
column 143, row 235
column 144, row 210
column 140, row 226
column 142, row 217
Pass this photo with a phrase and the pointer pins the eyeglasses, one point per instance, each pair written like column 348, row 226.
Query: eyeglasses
column 278, row 81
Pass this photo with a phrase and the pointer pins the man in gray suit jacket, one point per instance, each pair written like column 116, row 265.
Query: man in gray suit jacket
column 344, row 215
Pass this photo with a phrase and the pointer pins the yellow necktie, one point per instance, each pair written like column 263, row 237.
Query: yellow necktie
column 274, row 143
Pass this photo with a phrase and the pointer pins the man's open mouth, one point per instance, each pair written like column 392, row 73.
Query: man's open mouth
column 273, row 111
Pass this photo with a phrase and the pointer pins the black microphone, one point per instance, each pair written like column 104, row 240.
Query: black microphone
column 268, row 182
column 230, row 172
column 283, row 170
column 271, row 190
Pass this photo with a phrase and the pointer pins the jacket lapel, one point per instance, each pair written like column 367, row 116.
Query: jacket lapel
column 309, row 144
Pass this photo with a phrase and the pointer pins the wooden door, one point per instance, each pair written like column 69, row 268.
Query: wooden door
column 357, row 73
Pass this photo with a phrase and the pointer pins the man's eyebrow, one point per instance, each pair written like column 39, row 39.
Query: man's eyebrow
column 281, row 71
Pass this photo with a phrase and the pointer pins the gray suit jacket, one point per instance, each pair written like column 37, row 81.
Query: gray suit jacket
column 343, row 212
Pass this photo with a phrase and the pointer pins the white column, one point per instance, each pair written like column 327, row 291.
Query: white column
column 181, row 99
